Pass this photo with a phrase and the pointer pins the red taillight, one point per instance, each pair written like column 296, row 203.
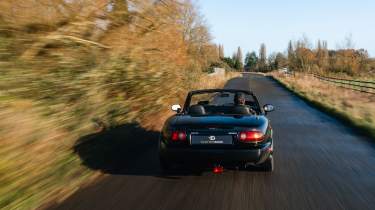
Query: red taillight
column 218, row 169
column 178, row 136
column 251, row 136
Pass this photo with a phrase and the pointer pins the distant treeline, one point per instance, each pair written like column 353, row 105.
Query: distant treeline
column 234, row 63
column 302, row 56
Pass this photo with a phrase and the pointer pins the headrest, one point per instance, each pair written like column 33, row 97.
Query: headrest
column 241, row 110
column 197, row 110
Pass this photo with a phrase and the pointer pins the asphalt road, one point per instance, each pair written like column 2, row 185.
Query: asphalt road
column 319, row 164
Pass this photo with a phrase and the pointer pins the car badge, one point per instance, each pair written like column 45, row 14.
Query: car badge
column 212, row 138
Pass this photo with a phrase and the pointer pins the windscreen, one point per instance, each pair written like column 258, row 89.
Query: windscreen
column 223, row 102
column 215, row 99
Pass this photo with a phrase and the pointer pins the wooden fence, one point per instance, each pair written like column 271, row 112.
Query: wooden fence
column 357, row 85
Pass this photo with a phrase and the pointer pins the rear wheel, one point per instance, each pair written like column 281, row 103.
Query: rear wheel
column 268, row 165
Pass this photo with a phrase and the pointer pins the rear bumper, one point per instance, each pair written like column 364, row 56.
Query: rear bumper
column 193, row 155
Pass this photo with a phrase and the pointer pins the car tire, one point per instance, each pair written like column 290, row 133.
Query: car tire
column 268, row 165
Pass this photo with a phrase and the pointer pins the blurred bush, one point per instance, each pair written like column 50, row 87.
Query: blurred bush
column 69, row 68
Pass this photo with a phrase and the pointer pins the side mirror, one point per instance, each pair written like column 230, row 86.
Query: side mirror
column 268, row 108
column 176, row 108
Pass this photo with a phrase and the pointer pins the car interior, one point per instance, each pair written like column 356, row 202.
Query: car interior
column 222, row 104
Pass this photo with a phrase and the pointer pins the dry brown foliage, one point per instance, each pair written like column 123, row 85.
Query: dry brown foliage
column 302, row 57
column 69, row 66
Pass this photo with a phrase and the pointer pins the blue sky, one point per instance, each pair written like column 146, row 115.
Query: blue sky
column 248, row 23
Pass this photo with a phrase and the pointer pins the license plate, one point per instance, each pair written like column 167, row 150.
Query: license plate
column 211, row 139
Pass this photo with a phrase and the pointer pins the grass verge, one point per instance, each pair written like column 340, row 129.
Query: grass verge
column 353, row 108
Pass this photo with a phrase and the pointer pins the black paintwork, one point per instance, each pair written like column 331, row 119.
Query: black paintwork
column 215, row 125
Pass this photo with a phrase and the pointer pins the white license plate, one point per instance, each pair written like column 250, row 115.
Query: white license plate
column 211, row 139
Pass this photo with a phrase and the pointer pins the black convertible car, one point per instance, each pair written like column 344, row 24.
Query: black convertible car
column 218, row 127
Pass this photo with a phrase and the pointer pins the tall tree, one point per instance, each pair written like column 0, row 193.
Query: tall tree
column 262, row 64
column 239, row 59
column 325, row 55
column 229, row 61
column 291, row 55
column 234, row 56
column 251, row 61
column 280, row 61
column 234, row 60
column 322, row 54
column 272, row 64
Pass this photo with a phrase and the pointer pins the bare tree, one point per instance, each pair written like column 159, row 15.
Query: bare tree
column 239, row 59
column 280, row 60
column 322, row 57
column 291, row 55
column 262, row 63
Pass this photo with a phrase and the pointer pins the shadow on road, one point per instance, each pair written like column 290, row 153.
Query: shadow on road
column 127, row 149
column 113, row 150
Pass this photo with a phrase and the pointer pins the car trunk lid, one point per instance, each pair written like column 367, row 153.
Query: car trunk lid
column 216, row 131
